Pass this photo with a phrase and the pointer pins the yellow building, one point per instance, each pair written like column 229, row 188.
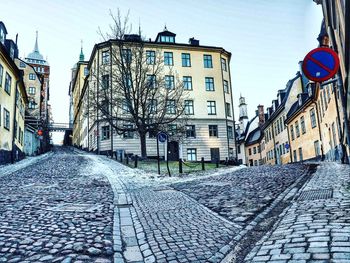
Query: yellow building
column 13, row 98
column 79, row 74
column 335, row 35
column 275, row 132
column 205, row 72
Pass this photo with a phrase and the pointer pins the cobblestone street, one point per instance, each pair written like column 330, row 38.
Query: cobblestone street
column 70, row 206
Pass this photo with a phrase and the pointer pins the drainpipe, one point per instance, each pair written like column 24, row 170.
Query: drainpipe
column 222, row 80
column 290, row 145
column 13, row 124
column 319, row 130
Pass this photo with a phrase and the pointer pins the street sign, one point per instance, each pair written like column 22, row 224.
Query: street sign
column 320, row 64
column 162, row 137
column 40, row 132
column 286, row 146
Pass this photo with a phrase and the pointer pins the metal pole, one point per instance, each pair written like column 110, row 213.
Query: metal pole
column 158, row 161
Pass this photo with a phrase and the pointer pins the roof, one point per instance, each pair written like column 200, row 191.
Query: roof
column 3, row 26
column 297, row 107
column 35, row 55
column 254, row 136
column 280, row 107
column 244, row 134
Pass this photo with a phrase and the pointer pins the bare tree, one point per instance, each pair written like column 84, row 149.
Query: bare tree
column 133, row 90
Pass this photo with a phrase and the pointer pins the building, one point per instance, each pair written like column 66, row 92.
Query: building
column 275, row 132
column 42, row 67
column 33, row 82
column 79, row 118
column 13, row 98
column 205, row 74
column 336, row 28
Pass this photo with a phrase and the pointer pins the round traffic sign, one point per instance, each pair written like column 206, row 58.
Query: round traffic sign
column 320, row 64
column 162, row 137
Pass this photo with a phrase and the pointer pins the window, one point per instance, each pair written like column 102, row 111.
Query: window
column 32, row 76
column 105, row 81
column 170, row 107
column 127, row 56
column 31, row 105
column 86, row 71
column 186, row 59
column 151, row 81
column 8, row 83
column 228, row 109
column 192, row 154
column 300, row 154
column 209, row 84
column 168, row 58
column 229, row 132
column 105, row 133
column 6, row 119
column 152, row 106
column 172, row 129
column 150, row 57
column 292, row 132
column 317, row 148
column 208, row 62
column 250, row 151
column 167, row 39
column 15, row 128
column 169, row 82
column 126, row 105
column 189, row 107
column 211, row 107
column 254, row 150
column 187, row 82
column 313, row 118
column 302, row 124
column 127, row 83
column 31, row 90
column 297, row 131
column 213, row 131
column 226, row 89
column 334, row 135
column 128, row 133
column 295, row 156
column 1, row 74
column 190, row 131
column 105, row 57
column 223, row 64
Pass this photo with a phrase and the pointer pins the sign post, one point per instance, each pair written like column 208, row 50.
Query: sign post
column 161, row 137
column 320, row 64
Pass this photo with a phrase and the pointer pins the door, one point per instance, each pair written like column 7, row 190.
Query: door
column 215, row 154
column 173, row 151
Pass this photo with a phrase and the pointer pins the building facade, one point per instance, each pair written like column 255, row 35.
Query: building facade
column 205, row 74
column 13, row 98
column 36, row 60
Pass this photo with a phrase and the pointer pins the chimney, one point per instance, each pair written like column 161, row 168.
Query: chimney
column 261, row 115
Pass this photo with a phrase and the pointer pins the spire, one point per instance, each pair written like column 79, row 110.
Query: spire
column 36, row 47
column 81, row 56
column 165, row 28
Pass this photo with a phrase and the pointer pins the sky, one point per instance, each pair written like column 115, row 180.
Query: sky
column 267, row 38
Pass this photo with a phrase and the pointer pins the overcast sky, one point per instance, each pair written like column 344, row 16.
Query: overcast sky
column 267, row 38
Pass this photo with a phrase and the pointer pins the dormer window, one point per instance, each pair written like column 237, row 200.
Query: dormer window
column 167, row 39
column 309, row 91
column 2, row 36
column 300, row 101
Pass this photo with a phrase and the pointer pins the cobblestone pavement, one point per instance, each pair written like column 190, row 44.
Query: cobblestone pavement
column 54, row 211
column 316, row 226
column 239, row 196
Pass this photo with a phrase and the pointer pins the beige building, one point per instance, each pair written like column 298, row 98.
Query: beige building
column 275, row 132
column 13, row 98
column 205, row 74
column 335, row 35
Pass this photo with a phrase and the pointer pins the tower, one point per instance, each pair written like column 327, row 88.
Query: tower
column 243, row 113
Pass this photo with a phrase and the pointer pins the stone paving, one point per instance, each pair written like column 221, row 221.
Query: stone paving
column 239, row 196
column 316, row 227
column 54, row 211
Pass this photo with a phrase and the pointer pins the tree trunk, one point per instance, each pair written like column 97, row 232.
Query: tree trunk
column 143, row 145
